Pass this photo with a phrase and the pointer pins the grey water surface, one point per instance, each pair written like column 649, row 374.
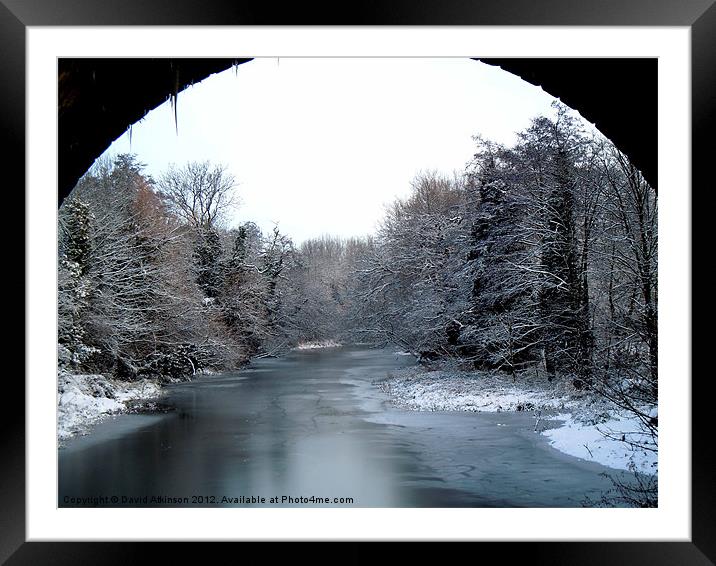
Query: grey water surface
column 314, row 425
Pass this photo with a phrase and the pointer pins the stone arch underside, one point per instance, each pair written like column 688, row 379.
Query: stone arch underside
column 99, row 99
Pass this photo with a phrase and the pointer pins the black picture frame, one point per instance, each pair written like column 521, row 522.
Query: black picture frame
column 699, row 15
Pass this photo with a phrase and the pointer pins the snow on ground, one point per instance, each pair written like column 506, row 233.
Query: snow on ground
column 317, row 345
column 586, row 419
column 206, row 371
column 85, row 399
column 601, row 442
column 469, row 391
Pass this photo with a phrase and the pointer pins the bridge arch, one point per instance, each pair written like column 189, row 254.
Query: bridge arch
column 99, row 99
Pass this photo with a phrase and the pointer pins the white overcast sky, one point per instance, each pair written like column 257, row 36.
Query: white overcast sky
column 320, row 145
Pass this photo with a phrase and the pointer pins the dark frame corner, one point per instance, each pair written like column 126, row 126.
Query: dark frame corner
column 700, row 15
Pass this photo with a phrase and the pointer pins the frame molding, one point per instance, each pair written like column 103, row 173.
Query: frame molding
column 700, row 15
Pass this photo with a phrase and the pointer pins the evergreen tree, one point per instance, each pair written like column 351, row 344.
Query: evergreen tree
column 207, row 257
column 551, row 148
column 77, row 234
column 500, row 329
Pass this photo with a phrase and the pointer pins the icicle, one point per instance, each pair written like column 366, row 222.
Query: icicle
column 174, row 105
column 175, row 99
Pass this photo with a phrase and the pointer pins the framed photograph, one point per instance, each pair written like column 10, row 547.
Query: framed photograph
column 392, row 281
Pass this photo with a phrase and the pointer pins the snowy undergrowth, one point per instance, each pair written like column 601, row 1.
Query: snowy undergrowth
column 85, row 399
column 469, row 391
column 318, row 345
column 592, row 429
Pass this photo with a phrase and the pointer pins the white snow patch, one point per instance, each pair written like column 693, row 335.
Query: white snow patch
column 206, row 371
column 468, row 391
column 84, row 399
column 317, row 345
column 602, row 443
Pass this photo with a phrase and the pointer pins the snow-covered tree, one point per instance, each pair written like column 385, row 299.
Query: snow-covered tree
column 410, row 284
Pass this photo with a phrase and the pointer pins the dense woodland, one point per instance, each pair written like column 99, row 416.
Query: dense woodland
column 539, row 258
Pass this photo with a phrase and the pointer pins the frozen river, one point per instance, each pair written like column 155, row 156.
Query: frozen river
column 313, row 425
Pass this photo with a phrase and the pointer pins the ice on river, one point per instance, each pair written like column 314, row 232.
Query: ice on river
column 591, row 429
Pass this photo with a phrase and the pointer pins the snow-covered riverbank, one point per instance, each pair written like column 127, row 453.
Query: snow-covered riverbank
column 86, row 399
column 591, row 428
column 318, row 345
